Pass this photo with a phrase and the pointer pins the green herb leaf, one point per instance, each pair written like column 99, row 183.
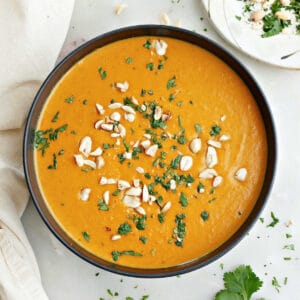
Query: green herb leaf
column 161, row 217
column 204, row 216
column 116, row 192
column 102, row 205
column 86, row 236
column 272, row 25
column 200, row 187
column 172, row 97
column 143, row 239
column 289, row 247
column 183, row 200
column 179, row 231
column 147, row 44
column 215, row 130
column 198, row 128
column 227, row 295
column 55, row 118
column 124, row 228
column 54, row 165
column 128, row 60
column 274, row 222
column 102, row 73
column 276, row 284
column 240, row 284
column 141, row 223
column 150, row 66
column 61, row 152
column 171, row 82
column 69, row 100
column 175, row 162
column 117, row 254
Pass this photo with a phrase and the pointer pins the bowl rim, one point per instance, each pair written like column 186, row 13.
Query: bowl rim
column 261, row 102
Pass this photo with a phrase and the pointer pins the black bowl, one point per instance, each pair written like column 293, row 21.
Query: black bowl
column 65, row 65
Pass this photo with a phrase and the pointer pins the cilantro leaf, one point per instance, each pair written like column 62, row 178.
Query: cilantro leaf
column 240, row 284
column 226, row 295
column 275, row 220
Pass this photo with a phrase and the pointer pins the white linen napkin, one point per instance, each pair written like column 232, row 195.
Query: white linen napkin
column 32, row 33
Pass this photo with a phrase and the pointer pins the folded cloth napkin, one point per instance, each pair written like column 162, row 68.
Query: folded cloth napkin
column 32, row 33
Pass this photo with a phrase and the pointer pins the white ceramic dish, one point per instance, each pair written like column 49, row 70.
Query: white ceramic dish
column 276, row 50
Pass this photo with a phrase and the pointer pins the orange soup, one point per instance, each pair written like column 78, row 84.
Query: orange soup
column 150, row 152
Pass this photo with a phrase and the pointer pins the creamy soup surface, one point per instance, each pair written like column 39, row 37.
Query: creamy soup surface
column 150, row 152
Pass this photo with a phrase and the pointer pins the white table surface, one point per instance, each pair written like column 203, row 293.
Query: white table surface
column 65, row 276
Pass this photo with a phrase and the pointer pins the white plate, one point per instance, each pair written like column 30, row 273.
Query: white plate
column 247, row 38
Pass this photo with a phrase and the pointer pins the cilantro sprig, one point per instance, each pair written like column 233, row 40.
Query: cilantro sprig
column 240, row 284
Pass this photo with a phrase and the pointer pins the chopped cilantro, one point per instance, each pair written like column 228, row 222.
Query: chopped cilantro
column 61, row 152
column 150, row 66
column 116, row 192
column 183, row 200
column 204, row 216
column 276, row 284
column 175, row 162
column 200, row 187
column 212, row 190
column 86, row 236
column 215, row 130
column 147, row 175
column 143, row 239
column 289, row 247
column 126, row 145
column 238, row 18
column 102, row 205
column 55, row 118
column 135, row 152
column 117, row 254
column 161, row 217
column 179, row 121
column 181, row 140
column 147, row 44
column 180, row 230
column 124, row 228
column 69, row 100
column 54, row 164
column 102, row 73
column 121, row 158
column 171, row 97
column 128, row 60
column 141, row 223
column 274, row 220
column 272, row 25
column 171, row 82
column 197, row 128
